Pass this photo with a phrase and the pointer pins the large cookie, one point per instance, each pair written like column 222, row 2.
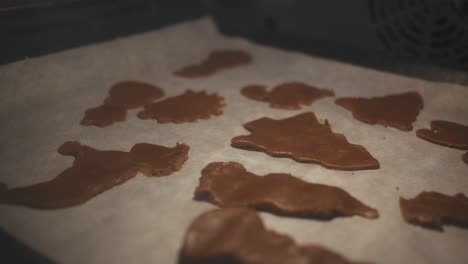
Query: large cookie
column 238, row 236
column 229, row 184
column 95, row 171
column 304, row 139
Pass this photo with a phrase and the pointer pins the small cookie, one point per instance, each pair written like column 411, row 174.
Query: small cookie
column 433, row 209
column 217, row 61
column 188, row 107
column 122, row 97
column 446, row 133
column 397, row 110
column 291, row 95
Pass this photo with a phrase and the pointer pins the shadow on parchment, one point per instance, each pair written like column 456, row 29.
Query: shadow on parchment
column 14, row 251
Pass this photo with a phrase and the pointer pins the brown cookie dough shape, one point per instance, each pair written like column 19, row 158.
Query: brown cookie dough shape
column 187, row 107
column 433, row 209
column 304, row 139
column 95, row 171
column 397, row 110
column 291, row 95
column 447, row 134
column 104, row 115
column 229, row 184
column 238, row 235
column 217, row 61
column 122, row 97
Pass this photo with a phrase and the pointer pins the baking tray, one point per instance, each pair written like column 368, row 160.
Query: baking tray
column 43, row 99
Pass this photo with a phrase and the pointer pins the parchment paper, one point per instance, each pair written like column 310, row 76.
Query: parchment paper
column 142, row 221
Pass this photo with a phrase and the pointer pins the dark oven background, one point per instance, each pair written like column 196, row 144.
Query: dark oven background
column 420, row 38
column 31, row 28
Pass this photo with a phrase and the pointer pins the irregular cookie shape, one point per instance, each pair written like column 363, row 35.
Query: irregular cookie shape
column 397, row 110
column 122, row 96
column 446, row 133
column 304, row 139
column 217, row 61
column 238, row 235
column 229, row 184
column 104, row 115
column 188, row 107
column 95, row 171
column 432, row 210
column 290, row 95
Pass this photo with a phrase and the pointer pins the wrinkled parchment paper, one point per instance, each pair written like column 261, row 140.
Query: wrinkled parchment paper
column 142, row 221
